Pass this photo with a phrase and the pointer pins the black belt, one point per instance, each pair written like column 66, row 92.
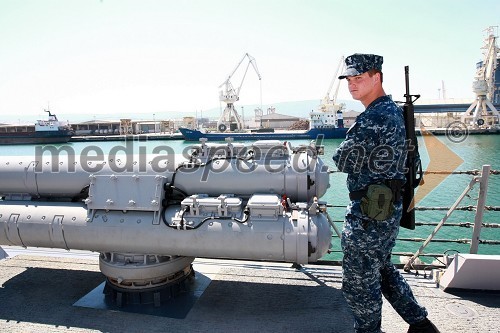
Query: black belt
column 357, row 195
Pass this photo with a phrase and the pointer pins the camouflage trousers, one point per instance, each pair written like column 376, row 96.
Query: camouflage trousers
column 368, row 272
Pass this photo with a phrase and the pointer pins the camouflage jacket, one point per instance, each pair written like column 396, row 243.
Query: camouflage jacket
column 374, row 149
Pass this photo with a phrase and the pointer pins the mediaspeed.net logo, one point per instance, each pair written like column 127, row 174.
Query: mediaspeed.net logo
column 442, row 160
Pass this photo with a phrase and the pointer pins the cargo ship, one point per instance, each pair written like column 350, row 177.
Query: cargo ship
column 45, row 131
column 322, row 125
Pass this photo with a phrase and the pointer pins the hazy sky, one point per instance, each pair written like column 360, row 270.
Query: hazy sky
column 118, row 56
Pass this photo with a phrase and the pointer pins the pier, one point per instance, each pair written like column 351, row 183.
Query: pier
column 125, row 137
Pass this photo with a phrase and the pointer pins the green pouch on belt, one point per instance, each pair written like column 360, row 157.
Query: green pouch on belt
column 378, row 202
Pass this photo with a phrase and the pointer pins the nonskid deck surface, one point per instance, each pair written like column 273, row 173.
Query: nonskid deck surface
column 39, row 288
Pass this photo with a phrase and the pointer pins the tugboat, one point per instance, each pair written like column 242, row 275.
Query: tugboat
column 44, row 131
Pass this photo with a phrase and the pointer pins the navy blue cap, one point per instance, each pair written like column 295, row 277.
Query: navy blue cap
column 358, row 64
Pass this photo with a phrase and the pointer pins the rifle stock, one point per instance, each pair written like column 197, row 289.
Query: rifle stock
column 413, row 164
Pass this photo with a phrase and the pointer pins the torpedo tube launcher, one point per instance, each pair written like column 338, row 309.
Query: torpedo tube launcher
column 149, row 216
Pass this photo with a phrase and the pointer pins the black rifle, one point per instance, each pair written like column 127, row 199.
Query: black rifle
column 413, row 163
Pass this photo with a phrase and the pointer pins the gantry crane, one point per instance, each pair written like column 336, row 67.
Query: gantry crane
column 483, row 86
column 229, row 95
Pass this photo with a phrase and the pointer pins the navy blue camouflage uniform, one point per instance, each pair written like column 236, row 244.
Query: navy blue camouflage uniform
column 374, row 151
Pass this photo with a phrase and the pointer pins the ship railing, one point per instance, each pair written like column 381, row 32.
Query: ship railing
column 480, row 177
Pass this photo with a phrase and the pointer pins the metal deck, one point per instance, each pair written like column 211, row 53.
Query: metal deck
column 39, row 289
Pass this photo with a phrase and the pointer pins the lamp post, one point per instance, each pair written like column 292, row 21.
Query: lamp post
column 154, row 123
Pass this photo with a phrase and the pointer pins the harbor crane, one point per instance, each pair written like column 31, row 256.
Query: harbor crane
column 330, row 104
column 483, row 86
column 230, row 95
column 329, row 112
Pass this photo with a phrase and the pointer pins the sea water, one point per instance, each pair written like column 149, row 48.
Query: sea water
column 474, row 150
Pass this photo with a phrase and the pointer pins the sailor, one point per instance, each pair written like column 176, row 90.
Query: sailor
column 373, row 155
